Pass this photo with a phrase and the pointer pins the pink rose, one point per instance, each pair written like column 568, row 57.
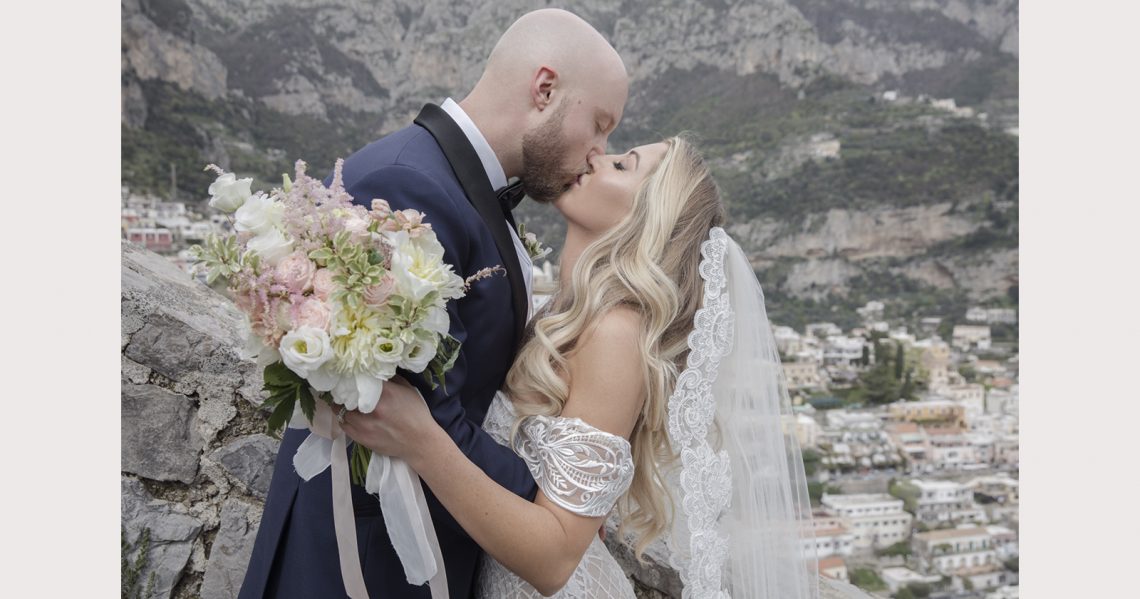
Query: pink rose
column 380, row 209
column 296, row 272
column 376, row 295
column 323, row 286
column 314, row 313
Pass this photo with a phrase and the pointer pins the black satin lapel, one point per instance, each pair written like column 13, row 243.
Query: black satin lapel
column 473, row 178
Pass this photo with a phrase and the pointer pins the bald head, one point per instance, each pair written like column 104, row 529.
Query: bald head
column 550, row 77
column 558, row 39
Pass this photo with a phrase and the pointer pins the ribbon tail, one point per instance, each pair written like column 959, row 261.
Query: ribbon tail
column 345, row 523
column 409, row 523
column 313, row 456
column 438, row 583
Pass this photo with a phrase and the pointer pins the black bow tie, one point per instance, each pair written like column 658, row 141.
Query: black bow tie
column 510, row 196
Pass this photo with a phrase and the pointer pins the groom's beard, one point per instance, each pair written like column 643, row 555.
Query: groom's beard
column 544, row 151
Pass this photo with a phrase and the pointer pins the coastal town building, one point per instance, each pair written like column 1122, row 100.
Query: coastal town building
column 876, row 519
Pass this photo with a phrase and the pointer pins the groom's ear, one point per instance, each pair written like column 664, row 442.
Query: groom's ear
column 542, row 87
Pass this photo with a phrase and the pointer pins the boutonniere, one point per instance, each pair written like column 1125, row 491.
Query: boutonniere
column 533, row 246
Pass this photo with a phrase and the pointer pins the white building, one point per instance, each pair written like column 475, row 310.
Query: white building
column 970, row 395
column 807, row 430
column 945, row 501
column 992, row 315
column 872, row 311
column 823, row 330
column 951, row 550
column 1004, row 542
column 876, row 519
column 803, row 375
column 968, row 336
column 897, row 578
column 788, row 341
column 840, row 349
column 1002, row 402
column 831, row 537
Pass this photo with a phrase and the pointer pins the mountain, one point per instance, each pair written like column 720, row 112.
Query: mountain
column 866, row 149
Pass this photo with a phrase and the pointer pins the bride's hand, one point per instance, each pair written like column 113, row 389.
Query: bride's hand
column 398, row 426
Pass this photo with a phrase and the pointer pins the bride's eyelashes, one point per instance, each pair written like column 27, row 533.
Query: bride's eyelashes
column 619, row 166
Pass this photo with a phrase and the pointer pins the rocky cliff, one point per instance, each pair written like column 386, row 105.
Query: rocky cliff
column 196, row 465
column 843, row 192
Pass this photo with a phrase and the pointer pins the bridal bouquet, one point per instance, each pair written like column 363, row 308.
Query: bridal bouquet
column 338, row 297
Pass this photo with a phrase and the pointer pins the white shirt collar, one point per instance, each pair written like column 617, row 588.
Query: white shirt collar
column 482, row 148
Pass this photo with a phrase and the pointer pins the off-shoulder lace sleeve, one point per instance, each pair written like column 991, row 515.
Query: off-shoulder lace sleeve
column 577, row 466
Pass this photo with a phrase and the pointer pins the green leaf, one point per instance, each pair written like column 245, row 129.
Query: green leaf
column 281, row 415
column 308, row 405
column 278, row 375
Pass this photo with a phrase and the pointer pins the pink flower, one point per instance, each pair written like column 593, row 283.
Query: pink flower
column 380, row 209
column 313, row 312
column 323, row 286
column 296, row 272
column 411, row 221
column 376, row 295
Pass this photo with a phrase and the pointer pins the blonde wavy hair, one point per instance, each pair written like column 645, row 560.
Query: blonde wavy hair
column 648, row 262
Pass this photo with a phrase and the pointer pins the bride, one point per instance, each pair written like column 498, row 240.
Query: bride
column 649, row 383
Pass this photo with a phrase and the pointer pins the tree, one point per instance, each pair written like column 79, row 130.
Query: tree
column 907, row 391
column 900, row 361
column 865, row 361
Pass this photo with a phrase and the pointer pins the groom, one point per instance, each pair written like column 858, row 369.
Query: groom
column 551, row 92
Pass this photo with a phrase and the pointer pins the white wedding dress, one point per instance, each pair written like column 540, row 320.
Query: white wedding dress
column 578, row 467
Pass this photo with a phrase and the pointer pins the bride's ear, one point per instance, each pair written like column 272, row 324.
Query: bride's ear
column 542, row 87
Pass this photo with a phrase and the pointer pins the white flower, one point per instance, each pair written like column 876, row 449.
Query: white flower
column 436, row 321
column 271, row 246
column 256, row 349
column 419, row 354
column 305, row 349
column 259, row 214
column 228, row 193
column 418, row 266
column 358, row 391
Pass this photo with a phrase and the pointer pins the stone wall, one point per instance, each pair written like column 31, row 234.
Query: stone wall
column 196, row 463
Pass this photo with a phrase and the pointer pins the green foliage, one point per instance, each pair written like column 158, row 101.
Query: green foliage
column 285, row 388
column 906, row 492
column 902, row 548
column 867, row 579
column 222, row 257
column 446, row 354
column 1011, row 564
column 132, row 567
column 914, row 590
column 811, row 460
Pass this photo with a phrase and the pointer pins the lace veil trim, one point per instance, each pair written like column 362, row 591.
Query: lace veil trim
column 699, row 551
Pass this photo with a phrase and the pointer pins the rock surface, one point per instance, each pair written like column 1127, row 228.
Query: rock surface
column 229, row 555
column 172, row 535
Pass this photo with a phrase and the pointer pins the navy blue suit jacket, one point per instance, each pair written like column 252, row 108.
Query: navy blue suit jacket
column 295, row 552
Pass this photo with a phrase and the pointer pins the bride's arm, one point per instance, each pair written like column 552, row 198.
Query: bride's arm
column 541, row 542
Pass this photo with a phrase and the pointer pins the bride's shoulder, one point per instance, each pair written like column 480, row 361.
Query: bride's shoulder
column 606, row 380
column 620, row 325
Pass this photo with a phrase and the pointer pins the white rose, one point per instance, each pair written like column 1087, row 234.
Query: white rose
column 259, row 214
column 271, row 246
column 417, row 264
column 305, row 349
column 228, row 193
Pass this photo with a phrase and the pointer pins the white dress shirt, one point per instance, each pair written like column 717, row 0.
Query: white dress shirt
column 498, row 180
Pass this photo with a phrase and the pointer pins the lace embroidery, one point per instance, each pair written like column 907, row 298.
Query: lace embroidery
column 577, row 466
column 700, row 551
column 598, row 575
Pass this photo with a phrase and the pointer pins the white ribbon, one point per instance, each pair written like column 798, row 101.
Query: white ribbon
column 402, row 503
